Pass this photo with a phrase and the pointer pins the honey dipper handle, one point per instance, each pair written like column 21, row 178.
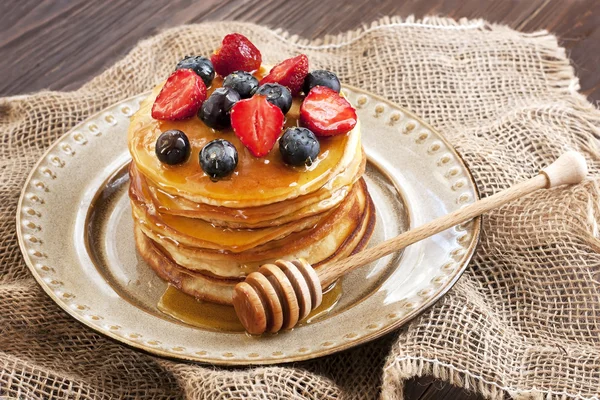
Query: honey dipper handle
column 569, row 168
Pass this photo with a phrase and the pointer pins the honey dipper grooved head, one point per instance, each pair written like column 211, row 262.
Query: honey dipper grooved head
column 277, row 296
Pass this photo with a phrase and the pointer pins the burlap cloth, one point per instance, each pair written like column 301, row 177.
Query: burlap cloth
column 523, row 320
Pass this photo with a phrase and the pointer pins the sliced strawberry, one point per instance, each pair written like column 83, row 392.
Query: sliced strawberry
column 257, row 123
column 236, row 53
column 326, row 113
column 290, row 73
column 180, row 97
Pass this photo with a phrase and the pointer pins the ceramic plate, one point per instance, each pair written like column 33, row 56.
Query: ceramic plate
column 76, row 233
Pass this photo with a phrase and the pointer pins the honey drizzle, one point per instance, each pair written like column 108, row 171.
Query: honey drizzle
column 254, row 179
column 218, row 317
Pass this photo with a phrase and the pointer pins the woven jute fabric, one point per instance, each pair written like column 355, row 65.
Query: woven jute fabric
column 524, row 319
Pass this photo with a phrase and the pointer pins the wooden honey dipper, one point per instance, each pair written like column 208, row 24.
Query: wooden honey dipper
column 279, row 295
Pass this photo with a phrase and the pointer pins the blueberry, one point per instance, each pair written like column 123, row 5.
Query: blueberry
column 299, row 146
column 201, row 65
column 215, row 110
column 321, row 77
column 277, row 95
column 218, row 158
column 172, row 147
column 242, row 82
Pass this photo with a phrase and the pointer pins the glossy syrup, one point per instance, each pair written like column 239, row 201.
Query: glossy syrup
column 218, row 317
column 254, row 178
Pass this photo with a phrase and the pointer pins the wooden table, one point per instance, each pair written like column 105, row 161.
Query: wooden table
column 62, row 44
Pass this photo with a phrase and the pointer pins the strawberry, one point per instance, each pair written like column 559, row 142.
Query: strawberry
column 257, row 123
column 236, row 53
column 289, row 73
column 326, row 113
column 181, row 96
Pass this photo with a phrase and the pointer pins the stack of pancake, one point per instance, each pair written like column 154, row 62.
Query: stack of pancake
column 205, row 236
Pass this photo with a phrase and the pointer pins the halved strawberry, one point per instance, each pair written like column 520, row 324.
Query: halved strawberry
column 290, row 73
column 236, row 53
column 326, row 113
column 181, row 96
column 257, row 123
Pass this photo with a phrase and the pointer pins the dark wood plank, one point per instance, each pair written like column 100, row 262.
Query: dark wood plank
column 61, row 44
column 428, row 388
column 418, row 387
column 578, row 28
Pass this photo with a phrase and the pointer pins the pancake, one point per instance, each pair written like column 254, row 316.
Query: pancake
column 274, row 214
column 313, row 244
column 197, row 233
column 217, row 290
column 200, row 286
column 255, row 182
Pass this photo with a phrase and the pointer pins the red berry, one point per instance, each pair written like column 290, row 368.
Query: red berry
column 289, row 73
column 326, row 113
column 180, row 97
column 236, row 53
column 257, row 123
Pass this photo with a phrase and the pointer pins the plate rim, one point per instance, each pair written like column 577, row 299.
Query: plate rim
column 406, row 318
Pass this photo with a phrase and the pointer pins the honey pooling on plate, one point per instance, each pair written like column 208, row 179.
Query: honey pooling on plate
column 203, row 227
column 219, row 317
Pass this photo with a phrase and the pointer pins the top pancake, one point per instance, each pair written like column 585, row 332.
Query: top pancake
column 255, row 181
column 273, row 214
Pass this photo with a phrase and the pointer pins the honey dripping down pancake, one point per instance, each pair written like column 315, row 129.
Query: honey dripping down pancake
column 274, row 214
column 255, row 182
column 208, row 287
column 204, row 230
column 315, row 245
